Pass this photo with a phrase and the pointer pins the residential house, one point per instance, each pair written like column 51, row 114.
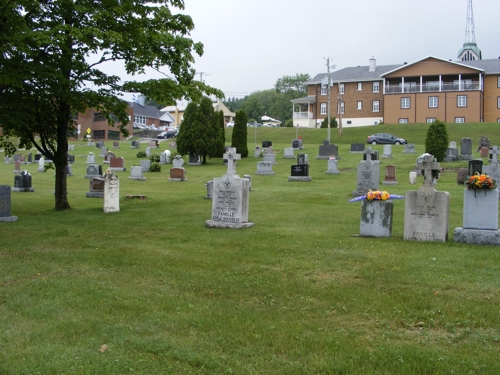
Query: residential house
column 177, row 111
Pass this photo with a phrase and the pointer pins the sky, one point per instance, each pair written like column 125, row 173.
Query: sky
column 249, row 44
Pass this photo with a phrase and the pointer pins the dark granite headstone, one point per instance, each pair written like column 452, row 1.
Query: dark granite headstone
column 301, row 159
column 357, row 147
column 266, row 144
column 5, row 201
column 326, row 150
column 300, row 170
column 475, row 166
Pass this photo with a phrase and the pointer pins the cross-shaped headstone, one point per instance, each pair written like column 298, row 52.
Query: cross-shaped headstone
column 428, row 165
column 494, row 154
column 368, row 153
column 231, row 156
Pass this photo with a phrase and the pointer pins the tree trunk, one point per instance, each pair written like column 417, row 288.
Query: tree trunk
column 61, row 164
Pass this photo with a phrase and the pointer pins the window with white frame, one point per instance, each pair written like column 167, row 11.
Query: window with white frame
column 376, row 106
column 323, row 89
column 323, row 109
column 341, row 88
column 462, row 101
column 498, row 83
column 430, row 120
column 459, row 119
column 360, row 86
column 360, row 104
column 403, row 121
column 498, row 119
column 498, row 102
column 433, row 101
column 376, row 86
column 405, row 103
column 140, row 120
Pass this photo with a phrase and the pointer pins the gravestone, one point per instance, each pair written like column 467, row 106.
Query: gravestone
column 100, row 144
column 493, row 154
column 289, row 153
column 266, row 144
column 145, row 164
column 257, row 152
column 137, row 173
column 69, row 172
column 231, row 153
column 71, row 159
column 5, row 205
column 413, row 177
column 41, row 164
column 462, row 174
column 484, row 152
column 30, row 158
column 466, row 149
column 22, row 183
column 96, row 188
column 427, row 210
column 194, row 159
column 452, row 144
column 390, row 175
column 117, row 165
column 7, row 159
column 153, row 143
column 270, row 158
column 269, row 150
column 210, row 189
column 177, row 174
column 71, row 147
column 111, row 193
column 90, row 143
column 302, row 159
column 116, row 144
column 93, row 170
column 108, row 157
column 38, row 157
column 104, row 151
column 326, row 150
column 178, row 162
column 134, row 144
column 17, row 166
column 16, row 157
column 368, row 174
column 297, row 144
column 22, row 159
column 172, row 145
column 264, row 168
column 249, row 178
column 300, row 172
column 230, row 202
column 376, row 218
column 148, row 151
column 373, row 154
column 475, row 166
column 387, row 152
column 483, row 142
column 480, row 218
column 409, row 148
column 91, row 158
column 451, row 155
column 357, row 148
column 332, row 166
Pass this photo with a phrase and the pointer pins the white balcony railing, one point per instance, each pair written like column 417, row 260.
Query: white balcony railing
column 433, row 88
column 303, row 115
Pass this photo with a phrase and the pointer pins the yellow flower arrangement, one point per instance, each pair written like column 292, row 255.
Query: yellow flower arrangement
column 480, row 181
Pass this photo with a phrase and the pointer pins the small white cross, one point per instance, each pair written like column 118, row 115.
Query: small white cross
column 231, row 156
column 428, row 165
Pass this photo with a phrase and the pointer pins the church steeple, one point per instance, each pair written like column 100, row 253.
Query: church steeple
column 470, row 50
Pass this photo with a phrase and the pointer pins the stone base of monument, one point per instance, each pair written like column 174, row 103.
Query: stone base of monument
column 23, row 190
column 323, row 157
column 289, row 157
column 41, row 169
column 332, row 172
column 386, row 156
column 465, row 157
column 265, row 173
column 300, row 178
column 477, row 236
column 389, row 182
column 137, row 178
column 177, row 179
column 228, row 225
column 95, row 194
column 115, row 169
column 8, row 219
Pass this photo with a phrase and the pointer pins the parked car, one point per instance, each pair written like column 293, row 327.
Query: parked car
column 230, row 124
column 167, row 135
column 385, row 138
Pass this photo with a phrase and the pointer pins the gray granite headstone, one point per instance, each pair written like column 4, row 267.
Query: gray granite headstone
column 289, row 153
column 145, row 164
column 91, row 158
column 137, row 173
column 451, row 155
column 332, row 166
column 357, row 147
column 93, row 170
column 5, row 204
column 409, row 148
column 475, row 166
column 178, row 162
column 368, row 175
column 326, row 150
column 264, row 168
column 270, row 158
column 210, row 188
column 387, row 152
column 96, row 188
column 376, row 218
column 466, row 149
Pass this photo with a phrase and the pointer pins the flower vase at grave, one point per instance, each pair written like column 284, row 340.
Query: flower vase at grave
column 376, row 218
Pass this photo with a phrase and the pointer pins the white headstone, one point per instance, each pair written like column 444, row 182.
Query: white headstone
column 111, row 192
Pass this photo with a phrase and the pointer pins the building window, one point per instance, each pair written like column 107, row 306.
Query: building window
column 430, row 120
column 360, row 104
column 360, row 86
column 140, row 120
column 405, row 103
column 459, row 119
column 462, row 101
column 98, row 116
column 433, row 101
column 498, row 102
column 323, row 109
column 376, row 86
column 498, row 83
column 113, row 134
column 98, row 134
column 403, row 121
column 323, row 89
column 375, row 106
column 498, row 119
column 341, row 88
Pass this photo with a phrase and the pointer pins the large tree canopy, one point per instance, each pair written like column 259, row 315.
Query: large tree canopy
column 51, row 58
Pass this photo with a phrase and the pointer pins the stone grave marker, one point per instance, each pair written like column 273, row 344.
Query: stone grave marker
column 483, row 142
column 462, row 174
column 17, row 166
column 269, row 150
column 145, row 164
column 451, row 155
column 326, row 150
column 302, row 159
column 270, row 158
column 41, row 164
column 17, row 157
column 111, row 193
column 332, row 166
column 148, row 151
column 178, row 162
column 409, row 148
column 426, row 209
column 30, row 158
column 466, row 149
column 5, row 205
column 7, row 159
column 493, row 154
column 390, row 175
column 368, row 174
column 413, row 177
column 172, row 145
column 475, row 166
column 484, row 152
column 137, row 173
column 100, row 144
column 230, row 202
column 116, row 144
column 266, row 144
column 265, row 168
column 71, row 158
column 257, row 152
column 376, row 218
column 117, row 165
column 91, row 158
column 297, row 144
column 108, row 157
column 134, row 144
column 194, row 159
column 249, row 178
column 452, row 144
column 104, row 151
column 387, row 152
column 357, row 148
column 96, row 188
column 153, row 143
column 22, row 159
column 38, row 157
column 69, row 172
column 373, row 154
column 22, row 183
column 289, row 153
column 299, row 172
column 210, row 189
column 177, row 174
column 93, row 170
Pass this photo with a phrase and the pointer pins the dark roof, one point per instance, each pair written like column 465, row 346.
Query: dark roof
column 147, row 111
column 490, row 66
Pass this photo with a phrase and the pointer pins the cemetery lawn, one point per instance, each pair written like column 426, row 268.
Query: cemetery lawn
column 151, row 290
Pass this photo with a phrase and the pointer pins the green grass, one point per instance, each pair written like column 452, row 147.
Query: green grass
column 295, row 294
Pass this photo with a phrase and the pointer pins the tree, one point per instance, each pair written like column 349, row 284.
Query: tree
column 333, row 122
column 51, row 53
column 239, row 139
column 221, row 130
column 436, row 141
column 253, row 108
column 200, row 131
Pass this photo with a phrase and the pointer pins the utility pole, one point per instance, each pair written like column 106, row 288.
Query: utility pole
column 201, row 75
column 328, row 92
column 340, row 102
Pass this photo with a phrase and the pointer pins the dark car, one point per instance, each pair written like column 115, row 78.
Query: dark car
column 385, row 139
column 167, row 135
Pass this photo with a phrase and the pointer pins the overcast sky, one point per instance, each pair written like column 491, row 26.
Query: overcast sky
column 249, row 44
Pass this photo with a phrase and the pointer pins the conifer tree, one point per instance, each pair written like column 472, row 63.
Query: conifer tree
column 219, row 128
column 436, row 141
column 239, row 139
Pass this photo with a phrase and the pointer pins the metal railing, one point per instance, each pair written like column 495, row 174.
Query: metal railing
column 433, row 88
